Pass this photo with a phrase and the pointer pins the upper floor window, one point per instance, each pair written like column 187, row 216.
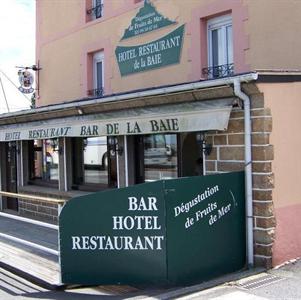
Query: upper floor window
column 98, row 75
column 220, row 47
column 96, row 10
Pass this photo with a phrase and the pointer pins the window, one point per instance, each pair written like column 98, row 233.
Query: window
column 167, row 156
column 160, row 157
column 44, row 160
column 98, row 75
column 156, row 157
column 94, row 163
column 220, row 47
column 96, row 11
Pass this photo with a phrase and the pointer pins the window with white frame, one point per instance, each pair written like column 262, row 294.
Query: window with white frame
column 220, row 47
column 96, row 9
column 98, row 73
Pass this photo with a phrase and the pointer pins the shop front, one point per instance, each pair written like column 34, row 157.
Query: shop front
column 101, row 150
column 72, row 149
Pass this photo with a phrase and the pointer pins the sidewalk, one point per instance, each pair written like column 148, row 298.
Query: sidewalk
column 43, row 269
column 278, row 283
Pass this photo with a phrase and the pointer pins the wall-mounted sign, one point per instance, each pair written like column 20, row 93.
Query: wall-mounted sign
column 146, row 20
column 26, row 81
column 162, row 52
column 155, row 54
column 176, row 231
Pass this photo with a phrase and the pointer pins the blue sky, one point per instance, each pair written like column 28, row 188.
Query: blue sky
column 17, row 47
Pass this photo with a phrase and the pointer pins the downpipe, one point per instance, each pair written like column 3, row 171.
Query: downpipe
column 248, row 169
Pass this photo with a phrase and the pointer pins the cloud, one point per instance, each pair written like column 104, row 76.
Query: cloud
column 17, row 47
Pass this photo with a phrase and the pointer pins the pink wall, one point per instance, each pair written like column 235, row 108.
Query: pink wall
column 288, row 234
column 284, row 101
column 54, row 37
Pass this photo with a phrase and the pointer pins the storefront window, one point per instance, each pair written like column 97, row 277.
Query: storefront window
column 95, row 160
column 160, row 157
column 94, row 163
column 45, row 160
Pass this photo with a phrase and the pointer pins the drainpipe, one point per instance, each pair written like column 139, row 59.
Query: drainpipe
column 248, row 169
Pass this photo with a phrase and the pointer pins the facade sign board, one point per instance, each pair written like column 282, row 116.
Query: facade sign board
column 210, row 119
column 177, row 231
column 162, row 52
column 146, row 20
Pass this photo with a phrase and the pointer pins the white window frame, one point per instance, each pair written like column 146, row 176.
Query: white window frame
column 221, row 24
column 94, row 3
column 98, row 57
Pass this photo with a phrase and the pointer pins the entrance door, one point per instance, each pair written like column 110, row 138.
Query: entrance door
column 11, row 175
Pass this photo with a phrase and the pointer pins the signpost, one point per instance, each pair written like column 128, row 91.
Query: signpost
column 175, row 231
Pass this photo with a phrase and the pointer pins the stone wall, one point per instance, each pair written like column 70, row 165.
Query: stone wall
column 46, row 212
column 228, row 155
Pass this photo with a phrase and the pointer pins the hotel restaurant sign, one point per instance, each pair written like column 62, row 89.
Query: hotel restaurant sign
column 175, row 122
column 155, row 54
column 178, row 231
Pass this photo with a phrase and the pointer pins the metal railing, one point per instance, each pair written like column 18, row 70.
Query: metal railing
column 219, row 71
column 59, row 202
column 95, row 92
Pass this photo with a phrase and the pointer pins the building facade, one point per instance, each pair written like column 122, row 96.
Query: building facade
column 133, row 91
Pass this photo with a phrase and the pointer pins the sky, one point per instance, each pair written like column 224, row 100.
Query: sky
column 17, row 48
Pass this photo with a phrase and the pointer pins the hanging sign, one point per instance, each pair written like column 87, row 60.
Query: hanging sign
column 26, row 81
column 162, row 52
column 146, row 20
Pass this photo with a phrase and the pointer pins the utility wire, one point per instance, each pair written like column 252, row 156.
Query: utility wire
column 15, row 86
column 3, row 91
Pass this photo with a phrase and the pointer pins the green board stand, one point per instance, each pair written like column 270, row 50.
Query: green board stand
column 178, row 231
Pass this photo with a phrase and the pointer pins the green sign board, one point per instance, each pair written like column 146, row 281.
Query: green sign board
column 176, row 231
column 146, row 20
column 162, row 52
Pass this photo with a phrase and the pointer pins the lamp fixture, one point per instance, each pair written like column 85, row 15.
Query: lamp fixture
column 113, row 143
column 205, row 147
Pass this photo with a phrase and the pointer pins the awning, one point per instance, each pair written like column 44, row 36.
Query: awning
column 187, row 117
